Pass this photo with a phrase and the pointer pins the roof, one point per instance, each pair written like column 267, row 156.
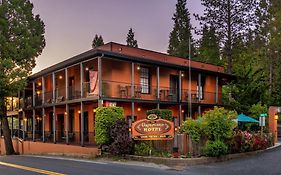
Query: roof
column 122, row 52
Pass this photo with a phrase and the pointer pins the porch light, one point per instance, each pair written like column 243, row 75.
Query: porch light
column 138, row 67
column 94, row 110
column 87, row 69
column 60, row 77
column 139, row 109
column 182, row 74
column 276, row 117
column 39, row 83
column 182, row 111
column 79, row 112
column 25, row 119
column 38, row 92
column 65, row 113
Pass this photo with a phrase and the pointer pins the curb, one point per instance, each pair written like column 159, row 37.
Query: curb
column 179, row 163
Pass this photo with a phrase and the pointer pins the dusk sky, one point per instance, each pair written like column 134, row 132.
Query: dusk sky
column 71, row 24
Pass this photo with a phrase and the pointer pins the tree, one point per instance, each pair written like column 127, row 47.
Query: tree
column 97, row 41
column 131, row 39
column 21, row 40
column 181, row 33
column 230, row 18
column 209, row 50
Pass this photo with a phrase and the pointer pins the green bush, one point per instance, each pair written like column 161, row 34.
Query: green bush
column 161, row 113
column 219, row 124
column 194, row 128
column 142, row 149
column 215, row 148
column 104, row 119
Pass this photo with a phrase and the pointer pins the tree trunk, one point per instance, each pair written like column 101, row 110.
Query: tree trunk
column 6, row 132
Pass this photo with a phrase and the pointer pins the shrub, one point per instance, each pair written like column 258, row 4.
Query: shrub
column 142, row 149
column 215, row 148
column 194, row 128
column 161, row 113
column 104, row 119
column 219, row 124
column 122, row 143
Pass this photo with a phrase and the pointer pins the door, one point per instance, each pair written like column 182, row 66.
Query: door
column 174, row 86
column 86, row 125
column 71, row 88
column 61, row 126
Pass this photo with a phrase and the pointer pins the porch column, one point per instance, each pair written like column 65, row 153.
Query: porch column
column 199, row 87
column 158, row 87
column 12, row 125
column 33, row 125
column 199, row 110
column 67, row 123
column 19, row 115
column 24, row 125
column 180, row 90
column 217, row 89
column 180, row 114
column 81, row 79
column 82, row 124
column 54, row 124
column 66, row 83
column 133, row 89
column 33, row 111
column 133, row 80
column 43, row 124
column 54, row 86
column 100, row 101
column 43, row 90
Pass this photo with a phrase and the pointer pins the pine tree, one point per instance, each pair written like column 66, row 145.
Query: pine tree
column 21, row 41
column 97, row 41
column 230, row 18
column 181, row 34
column 131, row 39
column 209, row 50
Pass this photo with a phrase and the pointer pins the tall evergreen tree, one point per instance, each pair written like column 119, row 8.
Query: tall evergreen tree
column 131, row 39
column 209, row 50
column 181, row 33
column 21, row 40
column 97, row 41
column 231, row 18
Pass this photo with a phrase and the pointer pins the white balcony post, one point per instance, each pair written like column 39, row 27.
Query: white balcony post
column 43, row 90
column 67, row 123
column 82, row 124
column 81, row 79
column 66, row 84
column 100, row 103
column 54, row 87
column 33, row 125
column 54, row 124
column 158, row 86
column 43, row 124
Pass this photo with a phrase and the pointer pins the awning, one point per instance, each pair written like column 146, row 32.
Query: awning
column 244, row 118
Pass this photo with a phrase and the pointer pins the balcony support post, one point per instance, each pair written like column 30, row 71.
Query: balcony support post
column 199, row 87
column 24, row 125
column 82, row 124
column 67, row 123
column 43, row 90
column 180, row 115
column 133, row 80
column 43, row 124
column 33, row 94
column 54, row 124
column 158, row 86
column 217, row 89
column 133, row 111
column 100, row 101
column 33, row 125
column 199, row 110
column 54, row 86
column 81, row 79
column 66, row 84
column 180, row 90
column 18, row 115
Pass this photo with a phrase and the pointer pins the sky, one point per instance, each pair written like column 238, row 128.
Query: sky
column 70, row 25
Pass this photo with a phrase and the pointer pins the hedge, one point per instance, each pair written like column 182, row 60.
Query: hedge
column 104, row 119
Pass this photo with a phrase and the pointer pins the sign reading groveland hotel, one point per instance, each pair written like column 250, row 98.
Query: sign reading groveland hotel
column 153, row 128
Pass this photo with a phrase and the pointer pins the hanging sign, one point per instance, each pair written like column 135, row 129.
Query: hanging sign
column 153, row 128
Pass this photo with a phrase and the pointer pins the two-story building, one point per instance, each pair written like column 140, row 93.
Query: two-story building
column 59, row 103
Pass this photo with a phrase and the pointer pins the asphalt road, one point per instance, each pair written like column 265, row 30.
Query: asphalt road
column 266, row 163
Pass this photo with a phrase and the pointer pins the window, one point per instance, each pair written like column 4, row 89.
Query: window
column 144, row 80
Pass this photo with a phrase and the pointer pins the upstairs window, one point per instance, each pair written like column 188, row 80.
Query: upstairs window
column 144, row 80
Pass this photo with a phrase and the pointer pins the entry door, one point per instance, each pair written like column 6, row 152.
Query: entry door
column 174, row 86
column 86, row 125
column 61, row 125
column 71, row 87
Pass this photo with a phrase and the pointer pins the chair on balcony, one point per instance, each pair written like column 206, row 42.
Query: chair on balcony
column 60, row 99
column 137, row 92
column 122, row 91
